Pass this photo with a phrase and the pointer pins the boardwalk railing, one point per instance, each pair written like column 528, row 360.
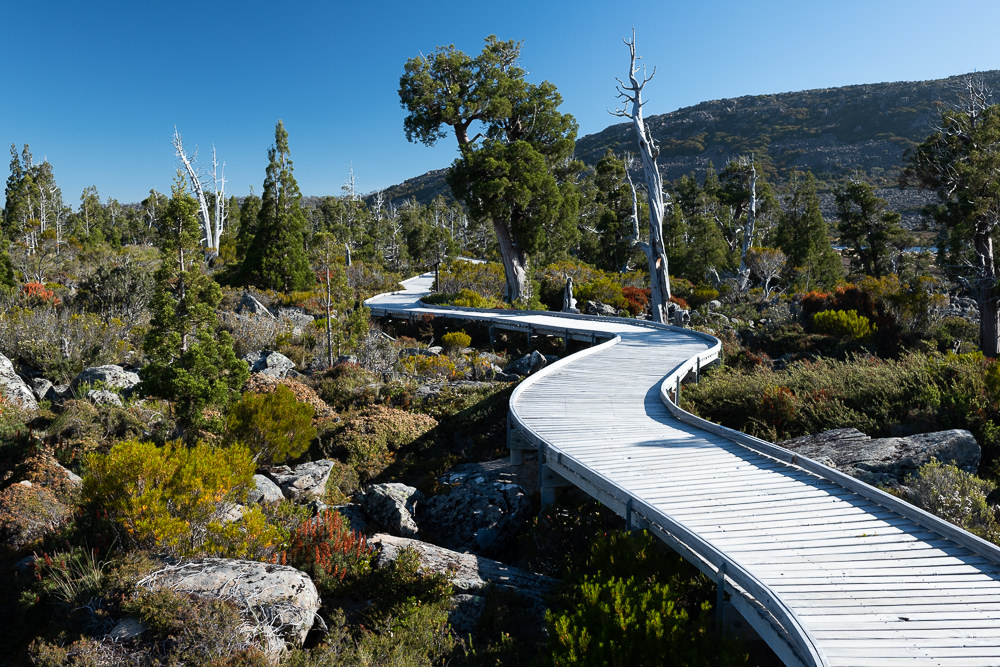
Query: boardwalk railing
column 848, row 585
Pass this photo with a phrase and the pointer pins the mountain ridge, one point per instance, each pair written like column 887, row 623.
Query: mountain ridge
column 860, row 131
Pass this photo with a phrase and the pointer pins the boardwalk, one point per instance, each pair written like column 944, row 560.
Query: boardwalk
column 825, row 568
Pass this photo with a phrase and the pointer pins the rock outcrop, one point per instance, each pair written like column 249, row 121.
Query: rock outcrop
column 13, row 388
column 305, row 481
column 269, row 362
column 887, row 461
column 111, row 376
column 392, row 507
column 278, row 603
column 468, row 574
column 482, row 512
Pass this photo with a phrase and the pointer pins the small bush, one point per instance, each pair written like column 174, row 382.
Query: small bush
column 456, row 341
column 956, row 496
column 171, row 497
column 845, row 324
column 632, row 601
column 275, row 426
column 349, row 385
column 328, row 550
column 369, row 439
column 435, row 366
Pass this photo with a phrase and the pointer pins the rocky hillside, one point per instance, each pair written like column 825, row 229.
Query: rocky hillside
column 834, row 132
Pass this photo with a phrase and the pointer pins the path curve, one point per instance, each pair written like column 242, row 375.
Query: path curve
column 827, row 569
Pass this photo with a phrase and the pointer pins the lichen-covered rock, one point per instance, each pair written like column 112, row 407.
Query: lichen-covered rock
column 391, row 507
column 104, row 397
column 305, row 481
column 110, row 376
column 13, row 388
column 269, row 362
column 274, row 600
column 887, row 461
column 482, row 512
column 265, row 491
column 250, row 305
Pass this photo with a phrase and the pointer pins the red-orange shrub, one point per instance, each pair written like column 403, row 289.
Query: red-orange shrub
column 326, row 549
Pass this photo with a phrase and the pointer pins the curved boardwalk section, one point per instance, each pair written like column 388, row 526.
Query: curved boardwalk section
column 827, row 569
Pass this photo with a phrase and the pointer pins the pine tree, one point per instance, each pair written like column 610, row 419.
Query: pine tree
column 803, row 235
column 189, row 360
column 277, row 257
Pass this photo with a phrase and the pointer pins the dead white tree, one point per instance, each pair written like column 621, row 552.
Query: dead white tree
column 211, row 228
column 749, row 229
column 631, row 96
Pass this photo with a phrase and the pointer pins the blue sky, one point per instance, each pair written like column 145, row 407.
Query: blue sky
column 97, row 87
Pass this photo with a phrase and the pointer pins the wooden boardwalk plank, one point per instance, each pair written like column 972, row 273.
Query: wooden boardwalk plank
column 858, row 578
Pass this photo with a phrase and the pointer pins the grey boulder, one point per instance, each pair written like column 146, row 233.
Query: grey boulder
column 111, row 376
column 305, row 481
column 13, row 388
column 887, row 461
column 391, row 507
column 278, row 603
column 269, row 362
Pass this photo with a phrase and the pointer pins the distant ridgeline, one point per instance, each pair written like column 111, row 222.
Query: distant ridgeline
column 834, row 132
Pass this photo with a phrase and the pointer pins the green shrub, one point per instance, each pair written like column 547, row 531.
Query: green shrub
column 604, row 289
column 426, row 365
column 348, row 385
column 701, row 295
column 60, row 343
column 846, row 324
column 369, row 439
column 956, row 496
column 633, row 601
column 918, row 392
column 174, row 497
column 274, row 425
column 456, row 341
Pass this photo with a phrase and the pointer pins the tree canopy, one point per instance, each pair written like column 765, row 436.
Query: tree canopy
column 515, row 148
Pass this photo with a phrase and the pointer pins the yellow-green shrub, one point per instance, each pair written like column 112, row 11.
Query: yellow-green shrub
column 456, row 340
column 173, row 497
column 275, row 426
column 428, row 365
column 846, row 324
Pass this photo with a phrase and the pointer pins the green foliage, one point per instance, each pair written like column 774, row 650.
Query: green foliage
column 918, row 392
column 633, row 602
column 456, row 341
column 873, row 235
column 189, row 362
column 517, row 173
column 174, row 497
column 60, row 342
column 368, row 440
column 802, row 234
column 955, row 496
column 274, row 425
column 276, row 257
column 846, row 324
column 329, row 551
column 482, row 278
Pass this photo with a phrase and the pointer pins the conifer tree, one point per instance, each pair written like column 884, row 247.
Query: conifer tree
column 189, row 360
column 276, row 258
column 803, row 235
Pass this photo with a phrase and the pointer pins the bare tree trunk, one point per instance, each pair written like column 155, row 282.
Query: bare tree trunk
column 329, row 322
column 212, row 230
column 656, row 256
column 515, row 264
column 749, row 230
column 989, row 318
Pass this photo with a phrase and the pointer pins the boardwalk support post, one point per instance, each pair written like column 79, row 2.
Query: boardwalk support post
column 697, row 370
column 720, row 598
column 628, row 514
column 677, row 392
